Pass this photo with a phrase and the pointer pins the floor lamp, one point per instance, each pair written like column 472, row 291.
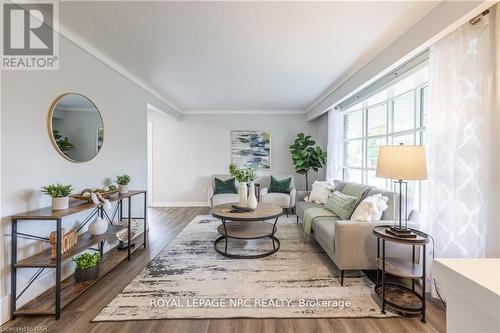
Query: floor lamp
column 401, row 163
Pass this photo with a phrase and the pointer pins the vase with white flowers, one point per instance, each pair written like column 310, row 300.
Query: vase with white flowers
column 245, row 176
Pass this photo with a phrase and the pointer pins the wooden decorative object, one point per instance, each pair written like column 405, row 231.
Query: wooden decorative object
column 69, row 240
column 103, row 195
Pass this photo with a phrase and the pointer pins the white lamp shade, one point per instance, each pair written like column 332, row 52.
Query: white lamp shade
column 402, row 162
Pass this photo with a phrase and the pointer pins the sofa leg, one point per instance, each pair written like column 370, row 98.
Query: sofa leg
column 342, row 277
column 286, row 212
column 297, row 219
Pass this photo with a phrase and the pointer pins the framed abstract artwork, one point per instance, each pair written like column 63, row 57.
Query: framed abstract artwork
column 251, row 149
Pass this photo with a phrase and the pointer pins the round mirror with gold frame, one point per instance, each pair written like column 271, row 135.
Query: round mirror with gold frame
column 75, row 127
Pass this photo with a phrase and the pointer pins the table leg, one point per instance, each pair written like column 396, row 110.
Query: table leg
column 383, row 276
column 128, row 227
column 225, row 236
column 423, row 283
column 13, row 276
column 58, row 268
column 274, row 231
column 145, row 218
column 413, row 261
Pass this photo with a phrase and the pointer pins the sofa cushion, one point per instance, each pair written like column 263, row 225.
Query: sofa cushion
column 324, row 232
column 355, row 190
column 280, row 186
column 339, row 184
column 220, row 199
column 341, row 204
column 392, row 203
column 225, row 186
column 301, row 206
column 320, row 192
column 280, row 199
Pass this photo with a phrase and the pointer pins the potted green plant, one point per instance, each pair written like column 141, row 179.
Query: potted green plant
column 122, row 182
column 244, row 176
column 306, row 157
column 87, row 266
column 59, row 194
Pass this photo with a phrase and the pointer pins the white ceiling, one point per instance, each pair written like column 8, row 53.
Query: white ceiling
column 206, row 56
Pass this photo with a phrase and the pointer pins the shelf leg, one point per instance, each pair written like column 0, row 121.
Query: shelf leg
column 120, row 211
column 383, row 276
column 145, row 218
column 13, row 273
column 424, row 254
column 128, row 227
column 58, row 268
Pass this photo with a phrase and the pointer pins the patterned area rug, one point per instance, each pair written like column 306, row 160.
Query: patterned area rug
column 188, row 279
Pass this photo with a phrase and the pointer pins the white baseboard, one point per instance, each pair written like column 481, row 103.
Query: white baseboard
column 179, row 204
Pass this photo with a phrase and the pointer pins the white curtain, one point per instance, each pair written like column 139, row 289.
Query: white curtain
column 335, row 148
column 463, row 143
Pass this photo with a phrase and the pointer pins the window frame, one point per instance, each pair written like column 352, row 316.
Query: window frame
column 389, row 136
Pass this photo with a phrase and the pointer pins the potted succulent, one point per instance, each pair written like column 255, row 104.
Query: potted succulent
column 60, row 195
column 244, row 176
column 122, row 182
column 87, row 266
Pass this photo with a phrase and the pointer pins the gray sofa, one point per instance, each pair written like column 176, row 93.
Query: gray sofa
column 350, row 244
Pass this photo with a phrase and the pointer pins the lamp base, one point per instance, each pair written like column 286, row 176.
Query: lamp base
column 401, row 229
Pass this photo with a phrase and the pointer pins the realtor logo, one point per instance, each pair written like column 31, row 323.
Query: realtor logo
column 29, row 38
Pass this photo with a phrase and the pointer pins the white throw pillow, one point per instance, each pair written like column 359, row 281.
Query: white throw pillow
column 370, row 209
column 320, row 192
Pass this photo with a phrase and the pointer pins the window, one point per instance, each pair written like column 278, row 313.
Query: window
column 397, row 116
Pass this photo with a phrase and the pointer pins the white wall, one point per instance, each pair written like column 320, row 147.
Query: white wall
column 29, row 160
column 187, row 152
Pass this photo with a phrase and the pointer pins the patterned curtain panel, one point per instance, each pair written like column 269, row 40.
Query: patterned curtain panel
column 335, row 148
column 463, row 142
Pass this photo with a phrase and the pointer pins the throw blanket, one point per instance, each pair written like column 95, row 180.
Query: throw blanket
column 309, row 215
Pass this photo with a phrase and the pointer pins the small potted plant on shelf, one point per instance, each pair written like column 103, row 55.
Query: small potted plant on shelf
column 60, row 195
column 87, row 266
column 122, row 182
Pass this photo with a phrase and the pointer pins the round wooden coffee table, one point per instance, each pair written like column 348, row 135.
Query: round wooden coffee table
column 251, row 225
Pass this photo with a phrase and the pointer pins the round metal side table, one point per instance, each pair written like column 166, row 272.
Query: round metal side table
column 401, row 298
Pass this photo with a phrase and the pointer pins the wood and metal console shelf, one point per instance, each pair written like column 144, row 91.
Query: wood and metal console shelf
column 403, row 299
column 65, row 291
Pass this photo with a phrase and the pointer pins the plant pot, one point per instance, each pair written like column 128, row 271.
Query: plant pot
column 252, row 199
column 59, row 203
column 123, row 189
column 98, row 226
column 87, row 274
column 243, row 192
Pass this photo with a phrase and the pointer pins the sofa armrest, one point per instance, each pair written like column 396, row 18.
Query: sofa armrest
column 263, row 192
column 210, row 194
column 300, row 195
column 355, row 245
column 293, row 195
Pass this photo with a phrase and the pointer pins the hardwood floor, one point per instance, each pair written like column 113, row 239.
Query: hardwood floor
column 165, row 223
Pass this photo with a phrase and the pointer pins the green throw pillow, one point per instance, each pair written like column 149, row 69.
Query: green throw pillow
column 355, row 190
column 341, row 205
column 225, row 186
column 280, row 186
